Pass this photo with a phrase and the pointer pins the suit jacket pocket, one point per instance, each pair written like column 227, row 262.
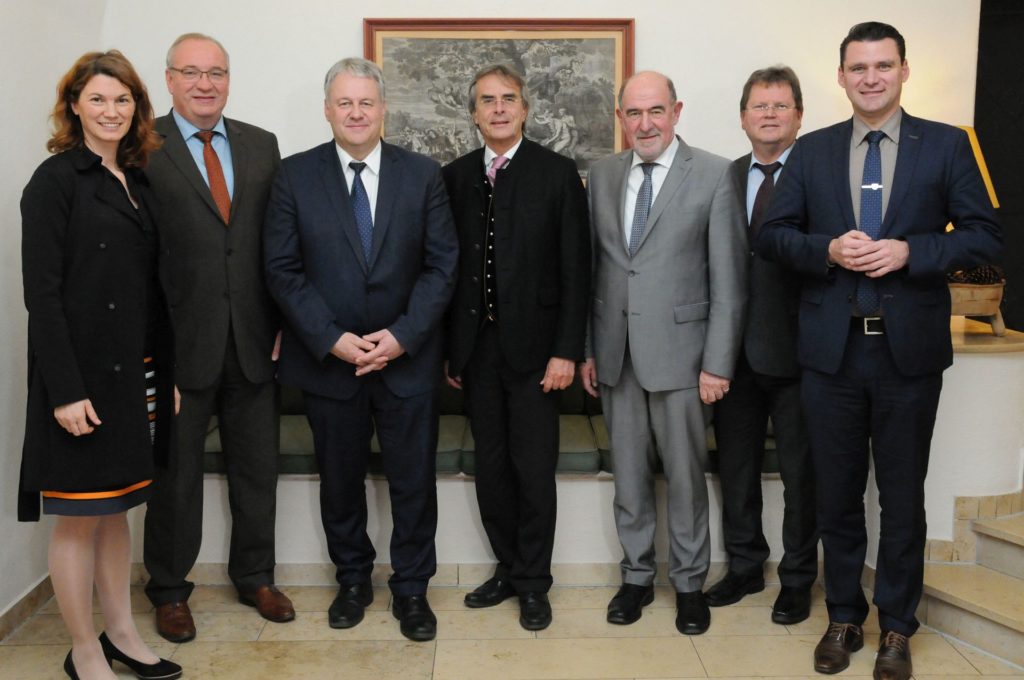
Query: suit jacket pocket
column 696, row 312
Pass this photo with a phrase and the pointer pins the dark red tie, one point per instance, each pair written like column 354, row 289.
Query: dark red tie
column 763, row 195
column 215, row 175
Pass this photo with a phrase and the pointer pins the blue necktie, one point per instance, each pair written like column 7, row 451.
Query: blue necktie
column 642, row 210
column 361, row 208
column 870, row 218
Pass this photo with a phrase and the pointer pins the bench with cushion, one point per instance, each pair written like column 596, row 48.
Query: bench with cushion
column 583, row 444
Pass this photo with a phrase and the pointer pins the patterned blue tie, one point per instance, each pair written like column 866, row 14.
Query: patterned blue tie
column 361, row 208
column 870, row 218
column 642, row 210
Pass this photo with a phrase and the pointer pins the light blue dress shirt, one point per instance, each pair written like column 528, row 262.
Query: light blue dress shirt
column 220, row 145
column 755, row 177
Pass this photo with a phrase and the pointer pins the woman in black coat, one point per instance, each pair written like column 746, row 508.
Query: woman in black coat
column 100, row 386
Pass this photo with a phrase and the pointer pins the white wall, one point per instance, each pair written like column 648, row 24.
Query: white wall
column 30, row 75
column 280, row 52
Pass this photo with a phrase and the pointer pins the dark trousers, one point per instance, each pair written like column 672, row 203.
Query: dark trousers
column 248, row 425
column 406, row 428
column 869, row 409
column 515, row 431
column 741, row 423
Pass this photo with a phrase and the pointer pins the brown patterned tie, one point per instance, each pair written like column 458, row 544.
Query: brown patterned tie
column 215, row 174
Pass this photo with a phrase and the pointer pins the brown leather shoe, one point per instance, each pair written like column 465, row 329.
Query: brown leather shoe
column 174, row 622
column 832, row 654
column 893, row 660
column 271, row 603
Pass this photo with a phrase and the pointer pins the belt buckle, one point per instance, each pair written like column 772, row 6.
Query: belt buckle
column 867, row 325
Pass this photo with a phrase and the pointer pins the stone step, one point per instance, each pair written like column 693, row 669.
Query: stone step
column 979, row 605
column 1000, row 544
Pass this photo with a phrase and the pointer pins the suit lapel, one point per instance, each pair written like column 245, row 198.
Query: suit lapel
column 114, row 195
column 388, row 190
column 841, row 173
column 906, row 161
column 177, row 152
column 239, row 162
column 676, row 176
column 625, row 166
column 336, row 190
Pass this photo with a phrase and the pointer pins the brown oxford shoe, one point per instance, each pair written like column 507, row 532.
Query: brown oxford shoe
column 174, row 622
column 271, row 603
column 893, row 660
column 832, row 655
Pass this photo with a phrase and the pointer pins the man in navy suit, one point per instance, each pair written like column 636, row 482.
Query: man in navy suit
column 861, row 212
column 361, row 254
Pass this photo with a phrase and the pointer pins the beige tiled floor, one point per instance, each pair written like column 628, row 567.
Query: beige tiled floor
column 742, row 644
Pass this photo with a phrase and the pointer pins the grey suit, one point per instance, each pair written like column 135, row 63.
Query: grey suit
column 224, row 326
column 657, row 320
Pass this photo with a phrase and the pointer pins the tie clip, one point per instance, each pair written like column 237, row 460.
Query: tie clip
column 874, row 186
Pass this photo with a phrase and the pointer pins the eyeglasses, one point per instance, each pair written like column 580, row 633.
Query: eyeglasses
column 489, row 102
column 192, row 74
column 777, row 108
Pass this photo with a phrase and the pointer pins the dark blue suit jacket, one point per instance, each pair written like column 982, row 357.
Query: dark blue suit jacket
column 936, row 182
column 324, row 286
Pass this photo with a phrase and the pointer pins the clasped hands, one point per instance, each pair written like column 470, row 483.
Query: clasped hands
column 857, row 252
column 368, row 353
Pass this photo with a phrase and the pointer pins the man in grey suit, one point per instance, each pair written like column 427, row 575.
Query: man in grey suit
column 669, row 290
column 212, row 177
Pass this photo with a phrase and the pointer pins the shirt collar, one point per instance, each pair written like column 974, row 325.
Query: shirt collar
column 891, row 128
column 372, row 160
column 781, row 159
column 664, row 160
column 490, row 155
column 188, row 130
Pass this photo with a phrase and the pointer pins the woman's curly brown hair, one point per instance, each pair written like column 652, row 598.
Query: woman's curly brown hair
column 142, row 139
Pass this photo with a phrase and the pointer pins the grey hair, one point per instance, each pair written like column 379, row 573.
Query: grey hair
column 505, row 73
column 356, row 66
column 668, row 81
column 196, row 36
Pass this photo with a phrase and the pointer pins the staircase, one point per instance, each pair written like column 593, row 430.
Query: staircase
column 982, row 603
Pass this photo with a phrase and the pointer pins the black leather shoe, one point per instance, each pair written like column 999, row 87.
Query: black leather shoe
column 832, row 655
column 793, row 605
column 893, row 660
column 161, row 670
column 692, row 614
column 628, row 604
column 733, row 587
column 534, row 611
column 492, row 592
column 416, row 620
column 349, row 605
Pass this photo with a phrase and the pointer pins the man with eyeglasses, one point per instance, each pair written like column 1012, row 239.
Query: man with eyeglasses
column 766, row 382
column 515, row 330
column 669, row 292
column 861, row 215
column 212, row 177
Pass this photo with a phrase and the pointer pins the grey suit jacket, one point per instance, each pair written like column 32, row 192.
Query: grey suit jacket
column 212, row 273
column 681, row 298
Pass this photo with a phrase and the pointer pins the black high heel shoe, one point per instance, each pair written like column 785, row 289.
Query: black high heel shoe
column 161, row 670
column 69, row 667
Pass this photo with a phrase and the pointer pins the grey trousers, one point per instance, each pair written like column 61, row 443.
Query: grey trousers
column 645, row 426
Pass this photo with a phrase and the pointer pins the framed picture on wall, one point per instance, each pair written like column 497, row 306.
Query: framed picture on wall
column 573, row 69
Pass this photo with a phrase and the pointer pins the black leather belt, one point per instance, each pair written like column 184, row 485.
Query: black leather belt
column 868, row 325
